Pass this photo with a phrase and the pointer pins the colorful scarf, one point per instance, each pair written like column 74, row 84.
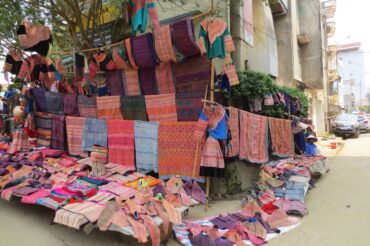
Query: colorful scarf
column 281, row 137
column 163, row 44
column 253, row 137
column 165, row 82
column 94, row 132
column 121, row 142
column 133, row 108
column 87, row 106
column 70, row 105
column 115, row 83
column 131, row 82
column 215, row 114
column 143, row 51
column 183, row 37
column 148, row 81
column 161, row 108
column 54, row 102
column 58, row 132
column 39, row 97
column 233, row 126
column 43, row 125
column 75, row 126
column 146, row 145
column 108, row 107
column 188, row 109
column 212, row 163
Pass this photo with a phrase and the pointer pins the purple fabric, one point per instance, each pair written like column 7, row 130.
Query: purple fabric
column 115, row 83
column 239, row 216
column 40, row 99
column 159, row 189
column 3, row 171
column 182, row 34
column 25, row 191
column 223, row 241
column 58, row 132
column 197, row 193
column 201, row 240
column 143, row 51
column 148, row 81
column 188, row 109
column 259, row 218
column 70, row 104
column 226, row 222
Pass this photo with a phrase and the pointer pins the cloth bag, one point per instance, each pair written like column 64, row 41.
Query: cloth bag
column 230, row 71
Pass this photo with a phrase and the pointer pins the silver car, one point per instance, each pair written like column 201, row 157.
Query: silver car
column 364, row 123
column 346, row 124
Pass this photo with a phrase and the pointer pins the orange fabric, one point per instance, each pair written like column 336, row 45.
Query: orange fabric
column 161, row 108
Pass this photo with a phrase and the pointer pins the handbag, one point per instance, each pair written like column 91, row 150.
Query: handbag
column 230, row 71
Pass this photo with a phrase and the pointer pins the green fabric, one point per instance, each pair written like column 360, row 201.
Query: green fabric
column 217, row 49
column 140, row 19
column 134, row 108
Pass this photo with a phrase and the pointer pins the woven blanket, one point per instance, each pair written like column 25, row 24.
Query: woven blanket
column 148, row 81
column 58, row 132
column 163, row 44
column 94, row 132
column 281, row 137
column 70, row 104
column 176, row 149
column 43, row 126
column 87, row 106
column 161, row 108
column 39, row 97
column 54, row 102
column 233, row 126
column 109, row 107
column 131, row 82
column 165, row 82
column 146, row 145
column 192, row 76
column 133, row 108
column 143, row 50
column 253, row 137
column 74, row 127
column 182, row 33
column 188, row 109
column 114, row 82
column 121, row 142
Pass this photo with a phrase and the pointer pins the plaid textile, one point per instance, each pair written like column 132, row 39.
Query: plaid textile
column 108, row 107
column 94, row 132
column 121, row 142
column 188, row 109
column 281, row 136
column 54, row 102
column 131, row 82
column 70, row 104
column 143, row 50
column 165, row 83
column 212, row 159
column 58, row 132
column 161, row 108
column 253, row 137
column 43, row 126
column 115, row 83
column 192, row 76
column 182, row 33
column 87, row 106
column 233, row 126
column 146, row 145
column 163, row 44
column 40, row 100
column 133, row 108
column 74, row 135
column 148, row 81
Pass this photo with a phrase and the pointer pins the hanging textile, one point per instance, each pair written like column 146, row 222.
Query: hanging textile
column 120, row 57
column 54, row 102
column 38, row 95
column 30, row 68
column 94, row 133
column 140, row 10
column 161, row 108
column 109, row 107
column 131, row 82
column 79, row 65
column 115, row 83
column 133, row 108
column 70, row 105
column 146, row 145
column 30, row 128
column 233, row 127
column 34, row 38
column 182, row 33
column 215, row 39
column 253, row 137
column 121, row 142
column 300, row 143
column 58, row 132
column 216, row 117
column 130, row 53
column 13, row 62
column 143, row 51
column 281, row 137
column 192, row 76
column 188, row 109
column 148, row 81
column 74, row 126
column 212, row 163
column 87, row 106
column 43, row 126
column 164, row 75
column 163, row 44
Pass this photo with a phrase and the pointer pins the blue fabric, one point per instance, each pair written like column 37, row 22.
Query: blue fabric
column 300, row 142
column 95, row 132
column 295, row 185
column 103, row 91
column 29, row 106
column 311, row 150
column 9, row 94
column 220, row 133
column 294, row 195
column 225, row 83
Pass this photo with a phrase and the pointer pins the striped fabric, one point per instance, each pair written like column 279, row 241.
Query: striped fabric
column 70, row 104
column 188, row 109
column 43, row 126
column 131, row 82
column 58, row 132
column 212, row 159
column 148, row 81
column 165, row 82
column 74, row 127
column 94, row 132
column 54, row 102
column 121, row 142
column 146, row 145
column 233, row 126
column 38, row 95
column 200, row 130
column 161, row 108
column 134, row 108
column 182, row 33
column 281, row 136
column 87, row 106
column 109, row 107
column 20, row 142
column 129, row 54
column 163, row 44
column 115, row 83
column 144, row 54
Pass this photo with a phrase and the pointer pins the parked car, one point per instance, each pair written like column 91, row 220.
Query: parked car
column 346, row 124
column 364, row 123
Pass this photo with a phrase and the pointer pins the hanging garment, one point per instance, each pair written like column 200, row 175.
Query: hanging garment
column 34, row 38
column 163, row 44
column 70, row 104
column 139, row 10
column 120, row 57
column 216, row 117
column 253, row 137
column 133, row 108
column 30, row 68
column 281, row 137
column 233, row 127
column 115, row 83
column 300, row 143
column 87, row 106
column 54, row 102
column 38, row 95
column 43, row 126
column 148, row 81
column 268, row 100
column 165, row 82
column 255, row 105
column 146, row 145
column 79, row 65
column 121, row 142
column 74, row 126
column 188, row 109
column 30, row 128
column 182, row 33
column 109, row 107
column 58, row 132
column 94, row 133
column 100, row 62
column 131, row 82
column 161, row 108
column 215, row 39
column 212, row 163
column 143, row 51
column 13, row 63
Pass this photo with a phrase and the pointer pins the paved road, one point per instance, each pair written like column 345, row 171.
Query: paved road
column 339, row 212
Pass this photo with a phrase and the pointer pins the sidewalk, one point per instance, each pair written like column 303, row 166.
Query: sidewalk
column 325, row 146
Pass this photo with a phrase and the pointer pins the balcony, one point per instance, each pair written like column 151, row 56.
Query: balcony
column 330, row 29
column 332, row 75
column 329, row 8
column 279, row 7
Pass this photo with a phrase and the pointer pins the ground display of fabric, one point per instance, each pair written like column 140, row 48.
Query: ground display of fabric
column 75, row 126
column 188, row 109
column 43, row 126
column 121, row 142
column 161, row 108
column 87, row 106
column 133, row 108
column 109, row 107
column 94, row 133
column 58, row 127
column 281, row 136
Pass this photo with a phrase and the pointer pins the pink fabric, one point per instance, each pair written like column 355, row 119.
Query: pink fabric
column 31, row 199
